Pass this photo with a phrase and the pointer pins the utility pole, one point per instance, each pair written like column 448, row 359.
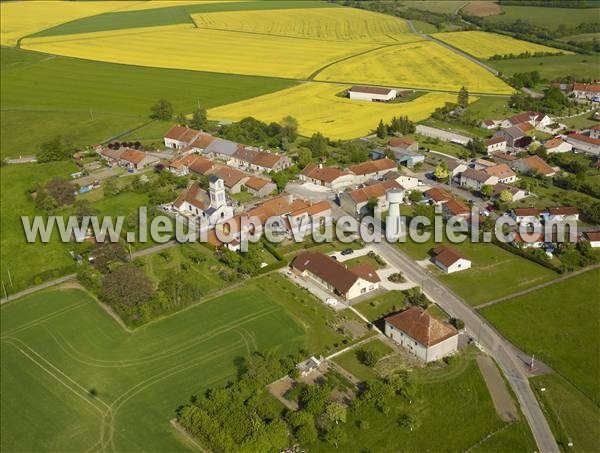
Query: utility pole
column 10, row 277
column 531, row 365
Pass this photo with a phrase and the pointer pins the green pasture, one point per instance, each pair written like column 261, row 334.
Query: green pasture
column 552, row 67
column 549, row 18
column 560, row 325
column 381, row 305
column 85, row 382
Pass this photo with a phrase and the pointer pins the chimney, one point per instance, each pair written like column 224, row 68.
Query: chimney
column 320, row 165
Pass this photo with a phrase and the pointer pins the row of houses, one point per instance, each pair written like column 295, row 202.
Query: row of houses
column 132, row 159
column 234, row 180
column 189, row 141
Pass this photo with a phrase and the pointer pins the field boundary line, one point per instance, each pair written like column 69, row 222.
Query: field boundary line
column 559, row 279
column 57, row 378
column 38, row 321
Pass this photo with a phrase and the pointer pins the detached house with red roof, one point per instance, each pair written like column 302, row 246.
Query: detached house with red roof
column 532, row 165
column 348, row 283
column 449, row 259
column 179, row 137
column 373, row 169
column 421, row 334
column 557, row 145
column 585, row 90
column 584, row 143
column 331, row 177
column 357, row 201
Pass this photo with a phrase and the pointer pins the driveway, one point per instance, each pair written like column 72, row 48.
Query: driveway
column 310, row 191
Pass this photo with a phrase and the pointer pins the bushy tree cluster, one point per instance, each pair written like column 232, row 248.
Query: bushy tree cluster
column 251, row 131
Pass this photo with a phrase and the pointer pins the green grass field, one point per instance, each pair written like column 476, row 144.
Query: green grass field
column 59, row 345
column 552, row 67
column 571, row 415
column 28, row 264
column 494, row 273
column 80, row 99
column 549, row 18
column 559, row 324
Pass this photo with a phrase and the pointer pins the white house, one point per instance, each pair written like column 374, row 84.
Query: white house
column 586, row 90
column 366, row 93
column 495, row 144
column 179, row 137
column 557, row 145
column 456, row 167
column 503, row 172
column 335, row 276
column 331, row 177
column 593, row 237
column 450, row 260
column 373, row 169
column 476, row 179
column 408, row 182
column 584, row 143
column 489, row 124
column 528, row 216
column 533, row 240
column 561, row 214
column 421, row 334
column 198, row 205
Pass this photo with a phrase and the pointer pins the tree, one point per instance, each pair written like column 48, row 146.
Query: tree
column 415, row 196
column 318, row 145
column 289, row 128
column 441, row 171
column 199, row 119
column 61, row 190
column 381, row 130
column 408, row 421
column 181, row 119
column 505, row 196
column 110, row 188
column 304, row 157
column 335, row 435
column 477, row 146
column 487, row 190
column 463, row 97
column 162, row 110
column 367, row 357
column 58, row 148
column 107, row 252
column 335, row 413
column 371, row 206
column 127, row 286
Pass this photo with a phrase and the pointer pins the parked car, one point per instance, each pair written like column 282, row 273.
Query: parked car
column 347, row 252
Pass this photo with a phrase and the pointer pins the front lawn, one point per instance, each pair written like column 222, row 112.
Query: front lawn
column 382, row 305
column 351, row 362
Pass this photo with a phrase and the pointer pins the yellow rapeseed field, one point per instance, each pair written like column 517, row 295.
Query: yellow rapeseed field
column 422, row 64
column 317, row 108
column 24, row 18
column 481, row 44
column 345, row 24
column 186, row 47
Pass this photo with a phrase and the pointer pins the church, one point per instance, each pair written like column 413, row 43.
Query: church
column 199, row 206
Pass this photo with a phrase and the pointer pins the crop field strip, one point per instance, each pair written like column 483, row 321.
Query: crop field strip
column 78, row 350
column 318, row 107
column 483, row 45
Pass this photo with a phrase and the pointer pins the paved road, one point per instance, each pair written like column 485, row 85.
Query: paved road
column 22, row 160
column 497, row 346
column 453, row 49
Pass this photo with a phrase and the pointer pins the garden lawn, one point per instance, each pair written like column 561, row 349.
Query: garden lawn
column 27, row 263
column 560, row 324
column 382, row 305
column 444, row 399
column 495, row 272
column 350, row 362
column 60, row 346
column 571, row 415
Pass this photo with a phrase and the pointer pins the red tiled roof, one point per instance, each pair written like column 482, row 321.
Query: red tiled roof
column 539, row 164
column 584, row 138
column 592, row 236
column 504, row 156
column 195, row 196
column 373, row 166
column 311, row 209
column 591, row 87
column 527, row 212
column 563, row 210
column 421, row 326
column 202, row 141
column 230, row 176
column 501, row 171
column 325, row 174
column 438, row 195
column 255, row 183
column 400, row 142
column 266, row 160
column 201, row 165
column 373, row 191
column 447, row 255
column 494, row 140
column 133, row 155
column 455, row 207
column 329, row 270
